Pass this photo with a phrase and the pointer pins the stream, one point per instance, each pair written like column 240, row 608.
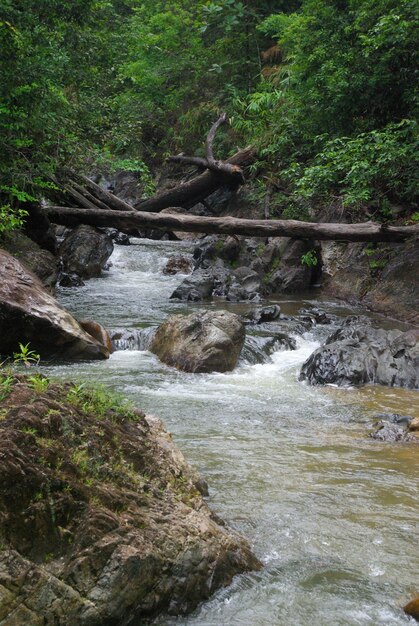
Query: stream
column 331, row 513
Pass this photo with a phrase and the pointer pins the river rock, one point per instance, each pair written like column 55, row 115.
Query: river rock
column 29, row 314
column 102, row 519
column 208, row 341
column 196, row 287
column 392, row 432
column 357, row 354
column 178, row 265
column 39, row 261
column 98, row 332
column 412, row 609
column 85, row 251
column 263, row 314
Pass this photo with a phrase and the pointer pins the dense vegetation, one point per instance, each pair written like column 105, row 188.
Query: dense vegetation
column 324, row 89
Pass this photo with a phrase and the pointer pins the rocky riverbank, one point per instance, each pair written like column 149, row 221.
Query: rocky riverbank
column 102, row 520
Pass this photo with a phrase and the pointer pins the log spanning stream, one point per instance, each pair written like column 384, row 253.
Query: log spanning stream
column 331, row 513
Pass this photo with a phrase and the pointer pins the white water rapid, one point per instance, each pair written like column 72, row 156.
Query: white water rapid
column 331, row 513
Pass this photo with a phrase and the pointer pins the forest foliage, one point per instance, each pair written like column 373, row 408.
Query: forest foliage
column 325, row 90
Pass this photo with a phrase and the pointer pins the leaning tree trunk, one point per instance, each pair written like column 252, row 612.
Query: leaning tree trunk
column 369, row 231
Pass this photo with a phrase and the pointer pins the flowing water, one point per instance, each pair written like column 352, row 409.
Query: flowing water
column 332, row 514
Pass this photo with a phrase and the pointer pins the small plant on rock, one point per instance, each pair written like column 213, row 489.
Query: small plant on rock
column 6, row 383
column 38, row 383
column 26, row 356
column 309, row 258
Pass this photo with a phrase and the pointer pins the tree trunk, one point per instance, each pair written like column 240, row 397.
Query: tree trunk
column 368, row 231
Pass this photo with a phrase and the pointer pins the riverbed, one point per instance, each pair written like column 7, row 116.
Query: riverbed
column 332, row 514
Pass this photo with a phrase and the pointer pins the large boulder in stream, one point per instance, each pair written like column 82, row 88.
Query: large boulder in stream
column 209, row 341
column 39, row 261
column 29, row 314
column 85, row 251
column 102, row 520
column 357, row 354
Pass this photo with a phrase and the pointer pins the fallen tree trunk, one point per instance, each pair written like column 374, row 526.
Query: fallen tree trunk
column 218, row 174
column 193, row 191
column 368, row 231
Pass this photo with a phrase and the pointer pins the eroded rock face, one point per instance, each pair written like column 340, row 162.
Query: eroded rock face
column 381, row 277
column 201, row 342
column 102, row 520
column 29, row 314
column 85, row 251
column 357, row 354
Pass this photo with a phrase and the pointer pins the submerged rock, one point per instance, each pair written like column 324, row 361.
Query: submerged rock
column 29, row 314
column 208, row 341
column 85, row 251
column 357, row 354
column 102, row 519
column 393, row 427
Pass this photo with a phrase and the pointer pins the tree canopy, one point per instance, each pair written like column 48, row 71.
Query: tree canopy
column 325, row 90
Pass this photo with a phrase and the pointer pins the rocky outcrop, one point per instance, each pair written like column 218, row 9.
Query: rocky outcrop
column 201, row 342
column 357, row 354
column 85, row 251
column 102, row 520
column 29, row 314
column 380, row 276
column 39, row 261
column 243, row 269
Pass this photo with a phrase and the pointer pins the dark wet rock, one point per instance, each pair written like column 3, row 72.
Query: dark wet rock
column 230, row 249
column 178, row 264
column 70, row 280
column 357, row 354
column 60, row 232
column 208, row 341
column 240, row 285
column 39, row 261
column 85, row 251
column 291, row 274
column 263, row 314
column 99, row 333
column 199, row 286
column 102, row 519
column 29, row 314
column 132, row 338
column 319, row 316
column 258, row 348
column 119, row 238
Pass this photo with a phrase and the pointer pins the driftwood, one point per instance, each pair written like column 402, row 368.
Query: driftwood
column 368, row 231
column 217, row 174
